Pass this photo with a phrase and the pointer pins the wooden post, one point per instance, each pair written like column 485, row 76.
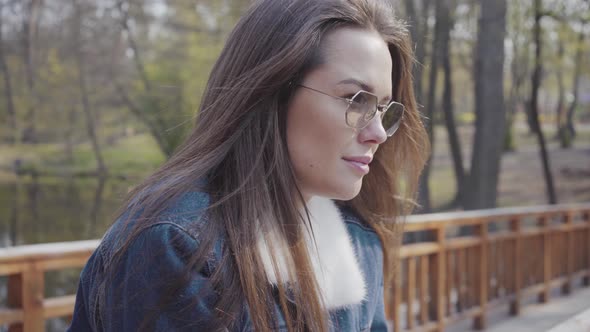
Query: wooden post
column 451, row 277
column 26, row 291
column 411, row 291
column 517, row 266
column 586, row 219
column 480, row 321
column 439, row 293
column 395, row 302
column 570, row 252
column 544, row 224
column 463, row 281
column 423, row 289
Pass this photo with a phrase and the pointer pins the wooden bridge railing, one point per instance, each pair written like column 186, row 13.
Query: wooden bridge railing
column 27, row 308
column 472, row 261
column 507, row 255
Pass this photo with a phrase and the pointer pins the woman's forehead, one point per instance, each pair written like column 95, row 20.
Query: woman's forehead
column 357, row 57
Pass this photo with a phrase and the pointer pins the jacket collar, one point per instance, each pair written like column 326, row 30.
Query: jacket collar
column 333, row 257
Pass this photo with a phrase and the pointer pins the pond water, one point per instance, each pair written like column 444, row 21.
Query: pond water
column 41, row 210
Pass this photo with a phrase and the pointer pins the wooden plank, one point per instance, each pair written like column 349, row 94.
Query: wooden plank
column 33, row 294
column 12, row 268
column 517, row 276
column 507, row 266
column 10, row 316
column 432, row 282
column 496, row 266
column 500, row 236
column 423, row 282
column 462, row 242
column 441, row 279
column 46, row 251
column 557, row 250
column 396, row 299
column 26, row 291
column 15, row 300
column 586, row 220
column 65, row 262
column 540, row 288
column 449, row 283
column 474, row 255
column 58, row 306
column 532, row 233
column 546, row 250
column 419, row 249
column 480, row 321
column 459, row 280
column 464, row 278
column 433, row 220
column 411, row 292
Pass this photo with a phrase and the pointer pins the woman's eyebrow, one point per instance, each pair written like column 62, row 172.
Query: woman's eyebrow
column 363, row 86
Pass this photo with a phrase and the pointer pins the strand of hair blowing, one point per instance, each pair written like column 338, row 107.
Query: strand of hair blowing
column 239, row 146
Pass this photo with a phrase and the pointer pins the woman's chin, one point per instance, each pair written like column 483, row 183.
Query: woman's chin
column 348, row 191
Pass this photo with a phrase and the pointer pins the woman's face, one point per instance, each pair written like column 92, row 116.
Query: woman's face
column 322, row 148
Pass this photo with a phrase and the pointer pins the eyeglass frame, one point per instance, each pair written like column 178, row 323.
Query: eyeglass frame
column 379, row 107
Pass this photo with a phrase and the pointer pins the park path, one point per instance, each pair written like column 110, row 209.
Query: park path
column 536, row 317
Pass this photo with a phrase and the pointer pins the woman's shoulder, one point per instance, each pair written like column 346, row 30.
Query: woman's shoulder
column 354, row 220
column 184, row 217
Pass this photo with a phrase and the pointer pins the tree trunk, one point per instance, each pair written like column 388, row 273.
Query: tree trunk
column 454, row 143
column 424, row 193
column 154, row 124
column 576, row 84
column 535, row 84
column 30, row 20
column 418, row 30
column 562, row 133
column 489, row 106
column 519, row 70
column 7, row 84
column 86, row 107
column 121, row 6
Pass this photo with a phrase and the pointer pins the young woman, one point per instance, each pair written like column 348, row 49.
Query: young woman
column 278, row 211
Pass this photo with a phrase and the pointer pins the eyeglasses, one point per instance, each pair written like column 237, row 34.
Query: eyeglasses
column 362, row 108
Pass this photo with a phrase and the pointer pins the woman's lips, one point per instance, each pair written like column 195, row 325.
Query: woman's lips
column 359, row 164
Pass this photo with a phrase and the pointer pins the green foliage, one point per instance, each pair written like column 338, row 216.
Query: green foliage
column 177, row 84
column 136, row 156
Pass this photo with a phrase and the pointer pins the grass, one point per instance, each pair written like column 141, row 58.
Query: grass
column 135, row 155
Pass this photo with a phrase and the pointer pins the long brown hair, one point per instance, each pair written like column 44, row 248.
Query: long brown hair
column 239, row 147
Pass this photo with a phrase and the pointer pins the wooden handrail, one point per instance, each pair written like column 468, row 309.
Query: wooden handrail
column 509, row 254
column 25, row 267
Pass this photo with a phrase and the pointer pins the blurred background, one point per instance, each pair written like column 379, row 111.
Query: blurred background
column 96, row 94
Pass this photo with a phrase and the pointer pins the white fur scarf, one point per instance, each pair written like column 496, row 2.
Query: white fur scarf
column 335, row 265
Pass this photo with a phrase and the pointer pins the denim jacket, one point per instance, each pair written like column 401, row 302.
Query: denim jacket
column 169, row 242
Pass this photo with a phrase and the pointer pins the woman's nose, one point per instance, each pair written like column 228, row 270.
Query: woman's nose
column 373, row 132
